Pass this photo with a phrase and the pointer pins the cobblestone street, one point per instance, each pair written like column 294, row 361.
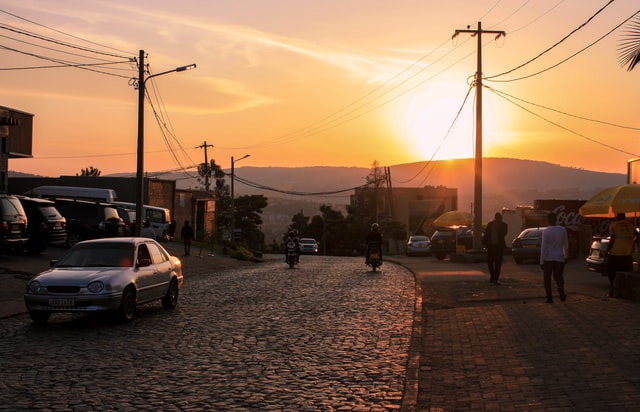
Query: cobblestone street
column 327, row 335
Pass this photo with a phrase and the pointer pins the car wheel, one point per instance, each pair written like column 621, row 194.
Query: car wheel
column 440, row 256
column 73, row 238
column 39, row 316
column 127, row 305
column 170, row 300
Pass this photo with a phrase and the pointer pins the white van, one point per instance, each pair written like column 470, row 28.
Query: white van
column 72, row 192
column 158, row 217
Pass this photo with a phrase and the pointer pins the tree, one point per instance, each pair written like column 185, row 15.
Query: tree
column 249, row 218
column 629, row 50
column 89, row 171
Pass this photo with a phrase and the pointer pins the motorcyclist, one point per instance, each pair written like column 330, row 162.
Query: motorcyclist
column 374, row 236
column 292, row 237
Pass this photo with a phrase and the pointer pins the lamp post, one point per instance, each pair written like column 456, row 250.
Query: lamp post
column 233, row 207
column 140, row 160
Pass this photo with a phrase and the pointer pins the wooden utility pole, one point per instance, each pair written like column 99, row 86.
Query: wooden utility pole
column 206, row 170
column 477, row 196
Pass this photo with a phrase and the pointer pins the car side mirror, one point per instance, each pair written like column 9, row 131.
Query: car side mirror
column 144, row 262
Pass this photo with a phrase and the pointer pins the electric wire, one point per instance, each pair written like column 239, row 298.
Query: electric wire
column 453, row 123
column 608, row 146
column 562, row 112
column 554, row 45
column 569, row 57
column 61, row 32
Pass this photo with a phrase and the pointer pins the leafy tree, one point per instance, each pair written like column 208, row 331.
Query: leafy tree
column 249, row 218
column 89, row 171
column 630, row 47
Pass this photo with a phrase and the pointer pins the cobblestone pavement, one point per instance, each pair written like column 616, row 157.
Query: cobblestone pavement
column 327, row 335
column 502, row 348
column 331, row 336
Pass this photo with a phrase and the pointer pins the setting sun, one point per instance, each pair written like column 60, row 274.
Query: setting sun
column 425, row 121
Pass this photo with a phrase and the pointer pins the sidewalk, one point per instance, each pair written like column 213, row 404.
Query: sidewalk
column 481, row 347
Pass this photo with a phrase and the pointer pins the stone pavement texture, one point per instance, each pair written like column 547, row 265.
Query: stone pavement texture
column 479, row 347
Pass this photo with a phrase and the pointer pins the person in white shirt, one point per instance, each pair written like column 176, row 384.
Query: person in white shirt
column 554, row 252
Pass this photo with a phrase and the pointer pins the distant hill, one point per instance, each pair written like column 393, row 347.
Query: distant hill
column 506, row 183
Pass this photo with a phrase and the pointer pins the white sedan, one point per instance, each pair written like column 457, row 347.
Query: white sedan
column 112, row 274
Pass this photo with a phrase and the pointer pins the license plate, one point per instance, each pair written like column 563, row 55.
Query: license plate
column 15, row 228
column 62, row 302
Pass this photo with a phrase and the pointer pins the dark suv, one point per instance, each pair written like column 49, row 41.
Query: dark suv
column 46, row 225
column 13, row 224
column 89, row 220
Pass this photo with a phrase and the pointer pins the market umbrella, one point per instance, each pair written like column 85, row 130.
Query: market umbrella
column 453, row 218
column 614, row 200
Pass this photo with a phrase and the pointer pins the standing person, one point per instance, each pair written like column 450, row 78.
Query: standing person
column 621, row 241
column 554, row 252
column 493, row 240
column 187, row 235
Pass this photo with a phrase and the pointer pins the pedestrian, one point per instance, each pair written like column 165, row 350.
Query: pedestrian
column 187, row 235
column 554, row 253
column 493, row 240
column 622, row 236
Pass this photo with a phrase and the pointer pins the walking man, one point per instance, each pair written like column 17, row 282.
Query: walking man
column 622, row 236
column 187, row 236
column 554, row 252
column 494, row 241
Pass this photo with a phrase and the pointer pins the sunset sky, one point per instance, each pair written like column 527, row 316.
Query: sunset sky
column 319, row 83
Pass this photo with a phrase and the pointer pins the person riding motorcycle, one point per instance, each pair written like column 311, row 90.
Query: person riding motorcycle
column 374, row 236
column 293, row 237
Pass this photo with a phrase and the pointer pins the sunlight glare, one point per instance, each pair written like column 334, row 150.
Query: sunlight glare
column 423, row 119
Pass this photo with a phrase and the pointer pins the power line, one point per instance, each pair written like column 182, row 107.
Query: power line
column 563, row 112
column 566, row 128
column 553, row 46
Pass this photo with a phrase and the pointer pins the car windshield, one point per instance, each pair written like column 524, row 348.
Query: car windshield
column 112, row 254
column 309, row 241
column 418, row 239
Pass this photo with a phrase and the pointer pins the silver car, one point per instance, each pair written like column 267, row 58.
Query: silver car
column 110, row 274
column 418, row 245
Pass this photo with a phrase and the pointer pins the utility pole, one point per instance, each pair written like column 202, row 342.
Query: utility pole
column 477, row 196
column 206, row 169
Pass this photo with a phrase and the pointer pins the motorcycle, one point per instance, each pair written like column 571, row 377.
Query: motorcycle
column 292, row 254
column 375, row 259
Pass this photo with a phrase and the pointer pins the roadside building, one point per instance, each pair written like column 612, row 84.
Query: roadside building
column 16, row 137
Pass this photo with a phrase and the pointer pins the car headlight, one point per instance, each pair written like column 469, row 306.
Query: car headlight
column 96, row 286
column 34, row 287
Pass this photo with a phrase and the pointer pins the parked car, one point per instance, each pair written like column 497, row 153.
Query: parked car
column 46, row 226
column 418, row 245
column 308, row 246
column 111, row 274
column 90, row 220
column 597, row 260
column 13, row 224
column 443, row 241
column 527, row 245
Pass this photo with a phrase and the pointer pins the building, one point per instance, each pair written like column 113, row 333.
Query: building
column 16, row 137
column 416, row 208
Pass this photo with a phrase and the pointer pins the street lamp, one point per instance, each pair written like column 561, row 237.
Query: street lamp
column 140, row 167
column 233, row 208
